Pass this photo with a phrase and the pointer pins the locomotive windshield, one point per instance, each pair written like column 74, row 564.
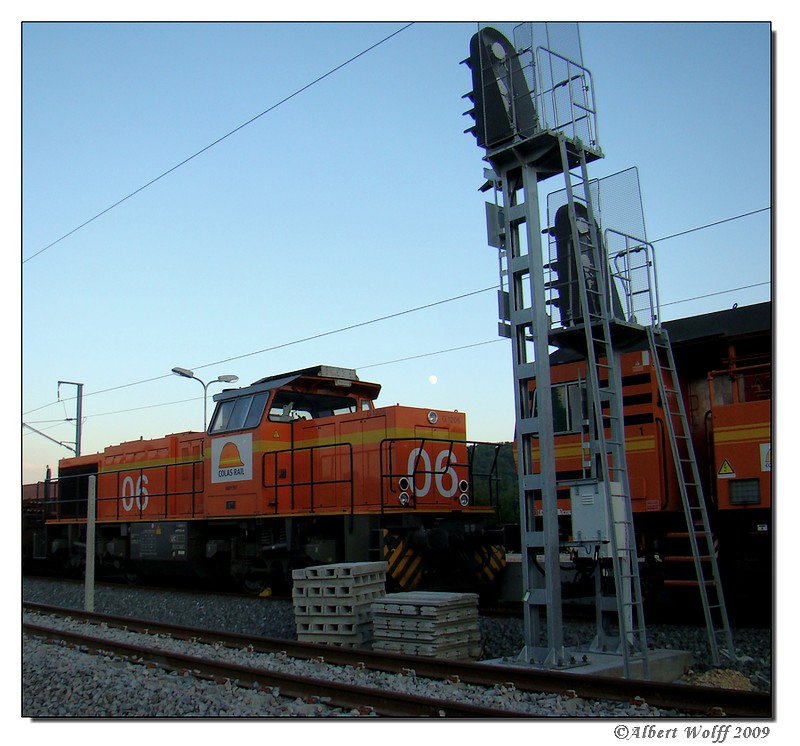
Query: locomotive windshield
column 240, row 413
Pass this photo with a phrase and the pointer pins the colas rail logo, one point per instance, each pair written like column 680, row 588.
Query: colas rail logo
column 232, row 458
column 230, row 461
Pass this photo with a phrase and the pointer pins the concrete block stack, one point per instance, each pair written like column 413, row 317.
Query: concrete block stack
column 333, row 603
column 427, row 624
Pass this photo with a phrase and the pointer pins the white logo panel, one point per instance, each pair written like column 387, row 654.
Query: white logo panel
column 232, row 458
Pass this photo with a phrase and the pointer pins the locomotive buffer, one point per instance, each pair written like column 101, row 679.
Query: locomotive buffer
column 535, row 118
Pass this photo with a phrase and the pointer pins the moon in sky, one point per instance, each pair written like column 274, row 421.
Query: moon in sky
column 433, row 379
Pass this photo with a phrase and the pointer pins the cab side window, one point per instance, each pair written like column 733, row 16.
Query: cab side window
column 569, row 407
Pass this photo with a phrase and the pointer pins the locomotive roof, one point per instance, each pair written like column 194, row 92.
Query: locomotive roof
column 739, row 321
column 344, row 377
column 321, row 371
column 732, row 322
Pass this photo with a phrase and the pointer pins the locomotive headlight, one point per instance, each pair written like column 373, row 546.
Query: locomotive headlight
column 404, row 484
column 463, row 486
column 463, row 498
column 404, row 499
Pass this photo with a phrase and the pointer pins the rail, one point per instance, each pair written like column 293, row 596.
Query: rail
column 334, row 694
column 693, row 699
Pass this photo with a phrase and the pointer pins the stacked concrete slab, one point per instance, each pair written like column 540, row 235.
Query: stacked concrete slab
column 427, row 624
column 333, row 603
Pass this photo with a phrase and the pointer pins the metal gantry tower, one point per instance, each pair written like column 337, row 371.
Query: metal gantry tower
column 535, row 118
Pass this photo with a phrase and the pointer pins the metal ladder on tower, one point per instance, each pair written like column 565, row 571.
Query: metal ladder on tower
column 698, row 529
column 609, row 462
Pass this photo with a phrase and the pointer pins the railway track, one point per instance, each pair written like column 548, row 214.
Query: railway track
column 701, row 701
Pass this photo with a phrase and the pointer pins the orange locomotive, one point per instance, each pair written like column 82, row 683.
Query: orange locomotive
column 295, row 469
column 723, row 361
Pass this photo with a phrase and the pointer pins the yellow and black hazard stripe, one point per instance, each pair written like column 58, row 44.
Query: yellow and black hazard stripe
column 404, row 564
column 489, row 562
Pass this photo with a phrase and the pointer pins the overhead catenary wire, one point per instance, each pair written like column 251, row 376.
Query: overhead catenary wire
column 358, row 367
column 219, row 140
column 330, row 332
column 711, row 225
column 425, row 306
column 404, row 312
column 282, row 345
column 370, row 365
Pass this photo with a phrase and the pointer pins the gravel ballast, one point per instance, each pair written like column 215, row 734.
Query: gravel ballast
column 62, row 682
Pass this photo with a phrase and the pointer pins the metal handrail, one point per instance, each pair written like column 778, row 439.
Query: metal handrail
column 312, row 483
column 389, row 474
column 624, row 269
column 53, row 505
column 544, row 91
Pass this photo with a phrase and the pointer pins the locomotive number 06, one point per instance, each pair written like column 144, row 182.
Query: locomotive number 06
column 419, row 463
column 135, row 493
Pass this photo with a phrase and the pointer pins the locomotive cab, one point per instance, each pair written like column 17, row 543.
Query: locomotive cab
column 266, row 439
column 307, row 394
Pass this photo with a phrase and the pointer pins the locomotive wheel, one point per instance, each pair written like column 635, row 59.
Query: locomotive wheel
column 131, row 575
column 257, row 578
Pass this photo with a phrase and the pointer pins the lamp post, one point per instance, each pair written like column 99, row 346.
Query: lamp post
column 186, row 373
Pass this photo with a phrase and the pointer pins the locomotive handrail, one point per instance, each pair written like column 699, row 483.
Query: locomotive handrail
column 735, row 371
column 312, row 483
column 385, row 446
column 492, row 477
column 53, row 505
column 711, row 458
column 389, row 475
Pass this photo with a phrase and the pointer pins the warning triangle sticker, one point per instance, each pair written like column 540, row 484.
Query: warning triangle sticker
column 726, row 470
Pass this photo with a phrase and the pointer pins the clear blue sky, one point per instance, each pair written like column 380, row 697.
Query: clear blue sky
column 356, row 199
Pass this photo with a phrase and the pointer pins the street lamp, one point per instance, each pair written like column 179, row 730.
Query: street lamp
column 186, row 373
